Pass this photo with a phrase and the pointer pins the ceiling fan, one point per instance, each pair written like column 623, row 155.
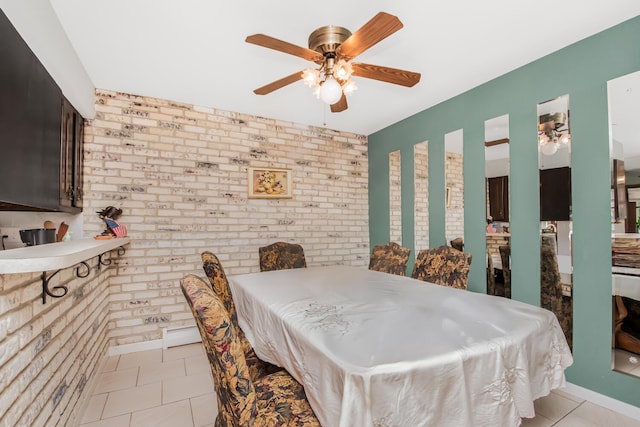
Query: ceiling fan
column 333, row 48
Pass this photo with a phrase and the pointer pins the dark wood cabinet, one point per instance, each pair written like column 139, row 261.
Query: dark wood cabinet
column 630, row 224
column 40, row 133
column 29, row 125
column 498, row 192
column 71, row 158
column 555, row 194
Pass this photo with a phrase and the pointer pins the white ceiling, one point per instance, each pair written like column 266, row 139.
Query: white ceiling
column 194, row 51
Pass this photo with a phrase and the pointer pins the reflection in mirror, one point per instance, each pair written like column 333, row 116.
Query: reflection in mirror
column 554, row 154
column 454, row 189
column 421, row 196
column 496, row 156
column 624, row 104
column 395, row 198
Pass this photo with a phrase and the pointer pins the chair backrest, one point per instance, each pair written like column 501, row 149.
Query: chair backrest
column 444, row 266
column 281, row 256
column 505, row 258
column 390, row 258
column 457, row 243
column 550, row 287
column 491, row 278
column 219, row 283
column 234, row 387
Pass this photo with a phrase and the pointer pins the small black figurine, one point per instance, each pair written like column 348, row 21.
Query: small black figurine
column 109, row 216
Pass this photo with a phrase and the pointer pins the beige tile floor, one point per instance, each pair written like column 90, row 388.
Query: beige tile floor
column 173, row 388
column 154, row 388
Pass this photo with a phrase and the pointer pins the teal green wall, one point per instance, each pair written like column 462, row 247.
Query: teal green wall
column 582, row 71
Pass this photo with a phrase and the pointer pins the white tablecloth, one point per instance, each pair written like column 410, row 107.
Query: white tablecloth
column 626, row 286
column 374, row 349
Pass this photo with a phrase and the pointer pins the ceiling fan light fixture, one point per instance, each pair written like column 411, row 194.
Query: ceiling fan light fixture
column 551, row 136
column 349, row 87
column 330, row 90
column 332, row 49
column 342, row 70
column 311, row 77
column 549, row 148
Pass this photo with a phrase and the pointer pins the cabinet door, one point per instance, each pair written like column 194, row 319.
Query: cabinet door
column 499, row 198
column 78, row 159
column 29, row 127
column 71, row 158
column 555, row 194
column 66, row 156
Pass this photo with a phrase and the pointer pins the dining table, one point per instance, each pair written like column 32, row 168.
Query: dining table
column 376, row 349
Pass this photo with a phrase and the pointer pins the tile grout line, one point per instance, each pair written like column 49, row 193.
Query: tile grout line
column 568, row 413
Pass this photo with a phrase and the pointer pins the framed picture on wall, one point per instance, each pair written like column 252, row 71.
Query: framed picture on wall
column 269, row 183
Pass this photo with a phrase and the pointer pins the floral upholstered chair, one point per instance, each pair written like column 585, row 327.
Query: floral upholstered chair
column 491, row 276
column 551, row 289
column 444, row 266
column 505, row 258
column 220, row 286
column 275, row 400
column 390, row 258
column 457, row 243
column 281, row 256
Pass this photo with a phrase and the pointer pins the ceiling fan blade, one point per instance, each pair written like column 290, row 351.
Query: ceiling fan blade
column 377, row 29
column 286, row 47
column 386, row 74
column 279, row 83
column 341, row 105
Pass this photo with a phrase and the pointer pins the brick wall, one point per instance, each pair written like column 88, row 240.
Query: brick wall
column 179, row 173
column 421, row 191
column 48, row 352
column 395, row 197
column 454, row 180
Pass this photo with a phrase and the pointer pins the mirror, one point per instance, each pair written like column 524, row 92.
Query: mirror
column 554, row 161
column 395, row 198
column 624, row 105
column 421, row 198
column 454, row 189
column 498, row 236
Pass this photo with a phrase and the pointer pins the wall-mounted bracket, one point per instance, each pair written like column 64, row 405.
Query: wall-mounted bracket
column 83, row 269
column 101, row 261
column 45, row 282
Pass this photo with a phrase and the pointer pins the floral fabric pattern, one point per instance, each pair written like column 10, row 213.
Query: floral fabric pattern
column 390, row 258
column 491, row 277
column 220, row 286
column 551, row 291
column 444, row 266
column 274, row 400
column 281, row 256
column 551, row 296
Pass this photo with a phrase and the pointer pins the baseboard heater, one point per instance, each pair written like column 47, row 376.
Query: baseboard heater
column 172, row 337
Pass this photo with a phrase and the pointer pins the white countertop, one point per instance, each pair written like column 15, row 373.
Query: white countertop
column 55, row 256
